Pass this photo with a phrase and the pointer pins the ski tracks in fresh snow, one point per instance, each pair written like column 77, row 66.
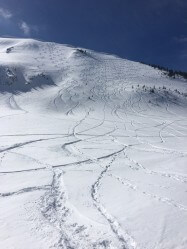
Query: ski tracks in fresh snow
column 74, row 233
column 126, row 241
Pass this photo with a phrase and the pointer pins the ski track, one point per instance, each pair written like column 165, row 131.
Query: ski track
column 25, row 190
column 127, row 242
column 151, row 172
column 133, row 187
column 57, row 209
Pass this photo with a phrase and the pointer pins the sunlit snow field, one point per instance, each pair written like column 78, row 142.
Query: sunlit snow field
column 93, row 151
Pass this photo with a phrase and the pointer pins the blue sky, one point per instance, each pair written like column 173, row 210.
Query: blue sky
column 153, row 31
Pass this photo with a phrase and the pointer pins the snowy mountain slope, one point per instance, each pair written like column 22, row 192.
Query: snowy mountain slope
column 92, row 150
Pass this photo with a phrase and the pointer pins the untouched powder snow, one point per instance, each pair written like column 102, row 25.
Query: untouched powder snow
column 93, row 151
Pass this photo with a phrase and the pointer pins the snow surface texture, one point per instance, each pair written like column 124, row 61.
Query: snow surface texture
column 92, row 151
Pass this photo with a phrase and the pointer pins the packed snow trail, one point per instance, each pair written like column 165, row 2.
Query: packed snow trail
column 92, row 150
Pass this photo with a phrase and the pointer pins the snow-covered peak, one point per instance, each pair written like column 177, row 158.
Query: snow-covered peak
column 75, row 76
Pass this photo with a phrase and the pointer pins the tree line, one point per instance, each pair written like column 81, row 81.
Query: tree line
column 169, row 72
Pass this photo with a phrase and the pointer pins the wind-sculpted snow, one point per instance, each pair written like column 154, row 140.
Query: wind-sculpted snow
column 92, row 151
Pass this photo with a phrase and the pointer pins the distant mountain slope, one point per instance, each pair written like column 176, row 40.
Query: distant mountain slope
column 27, row 64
